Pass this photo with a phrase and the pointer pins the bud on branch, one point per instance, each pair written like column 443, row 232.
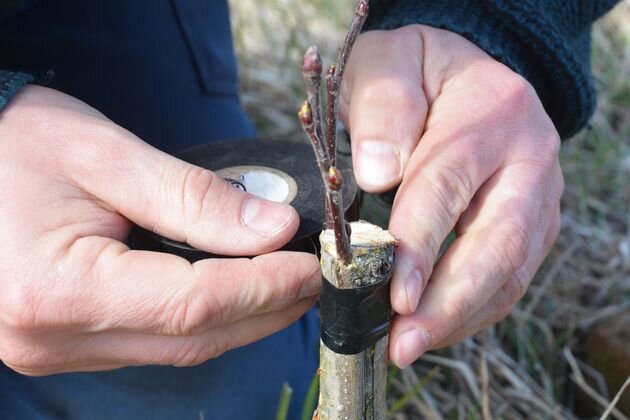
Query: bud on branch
column 312, row 63
column 310, row 118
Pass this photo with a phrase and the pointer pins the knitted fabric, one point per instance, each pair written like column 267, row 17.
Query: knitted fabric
column 10, row 83
column 546, row 41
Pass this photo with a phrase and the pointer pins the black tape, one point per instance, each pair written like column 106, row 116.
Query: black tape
column 146, row 240
column 295, row 159
column 354, row 319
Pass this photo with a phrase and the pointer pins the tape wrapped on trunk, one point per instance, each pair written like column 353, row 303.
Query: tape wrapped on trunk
column 354, row 319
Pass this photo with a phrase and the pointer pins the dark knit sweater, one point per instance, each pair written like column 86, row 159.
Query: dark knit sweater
column 10, row 83
column 546, row 41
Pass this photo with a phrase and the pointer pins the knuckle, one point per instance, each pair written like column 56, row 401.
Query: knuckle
column 521, row 89
column 191, row 354
column 542, row 151
column 478, row 277
column 554, row 197
column 199, row 192
column 394, row 91
column 216, row 345
column 547, row 148
column 553, row 231
column 512, row 246
column 195, row 352
column 20, row 308
column 553, row 142
column 459, row 183
column 287, row 288
column 452, row 185
column 514, row 289
column 458, row 311
column 514, row 97
column 199, row 310
column 282, row 288
column 425, row 245
column 559, row 190
column 514, row 88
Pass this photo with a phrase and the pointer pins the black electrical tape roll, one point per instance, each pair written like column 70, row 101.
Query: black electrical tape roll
column 354, row 319
column 295, row 160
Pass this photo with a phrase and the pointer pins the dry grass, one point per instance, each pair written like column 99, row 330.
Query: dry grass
column 529, row 365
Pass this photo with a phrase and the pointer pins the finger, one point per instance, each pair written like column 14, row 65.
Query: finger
column 383, row 104
column 175, row 199
column 163, row 294
column 475, row 266
column 111, row 350
column 439, row 183
column 504, row 300
column 238, row 334
column 459, row 151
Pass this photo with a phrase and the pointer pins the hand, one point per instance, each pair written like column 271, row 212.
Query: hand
column 74, row 297
column 472, row 148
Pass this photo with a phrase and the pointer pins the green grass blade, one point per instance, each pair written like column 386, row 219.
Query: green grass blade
column 285, row 400
column 311, row 398
column 407, row 396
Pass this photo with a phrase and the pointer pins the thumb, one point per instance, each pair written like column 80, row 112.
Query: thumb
column 383, row 104
column 178, row 200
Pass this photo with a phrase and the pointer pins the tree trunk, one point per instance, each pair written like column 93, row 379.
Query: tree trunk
column 355, row 321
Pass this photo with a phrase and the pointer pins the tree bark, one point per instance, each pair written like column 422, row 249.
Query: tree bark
column 352, row 386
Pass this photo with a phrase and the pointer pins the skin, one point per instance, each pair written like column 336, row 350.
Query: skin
column 75, row 298
column 471, row 148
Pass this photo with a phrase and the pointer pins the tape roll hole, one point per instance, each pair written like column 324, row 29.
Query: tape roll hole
column 261, row 181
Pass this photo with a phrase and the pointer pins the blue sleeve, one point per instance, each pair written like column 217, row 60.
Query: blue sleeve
column 546, row 41
column 10, row 83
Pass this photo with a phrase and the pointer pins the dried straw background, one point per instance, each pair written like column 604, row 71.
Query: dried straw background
column 531, row 364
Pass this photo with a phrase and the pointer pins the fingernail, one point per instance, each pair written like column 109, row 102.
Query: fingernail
column 413, row 287
column 411, row 279
column 266, row 217
column 410, row 345
column 377, row 164
column 311, row 286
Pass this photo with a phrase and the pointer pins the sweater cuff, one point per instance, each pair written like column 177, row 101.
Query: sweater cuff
column 10, row 83
column 527, row 40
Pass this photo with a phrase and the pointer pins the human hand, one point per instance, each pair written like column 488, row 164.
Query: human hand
column 74, row 297
column 472, row 148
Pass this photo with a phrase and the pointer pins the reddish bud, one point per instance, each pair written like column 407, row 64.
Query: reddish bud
column 333, row 178
column 362, row 8
column 312, row 62
column 305, row 114
column 331, row 70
